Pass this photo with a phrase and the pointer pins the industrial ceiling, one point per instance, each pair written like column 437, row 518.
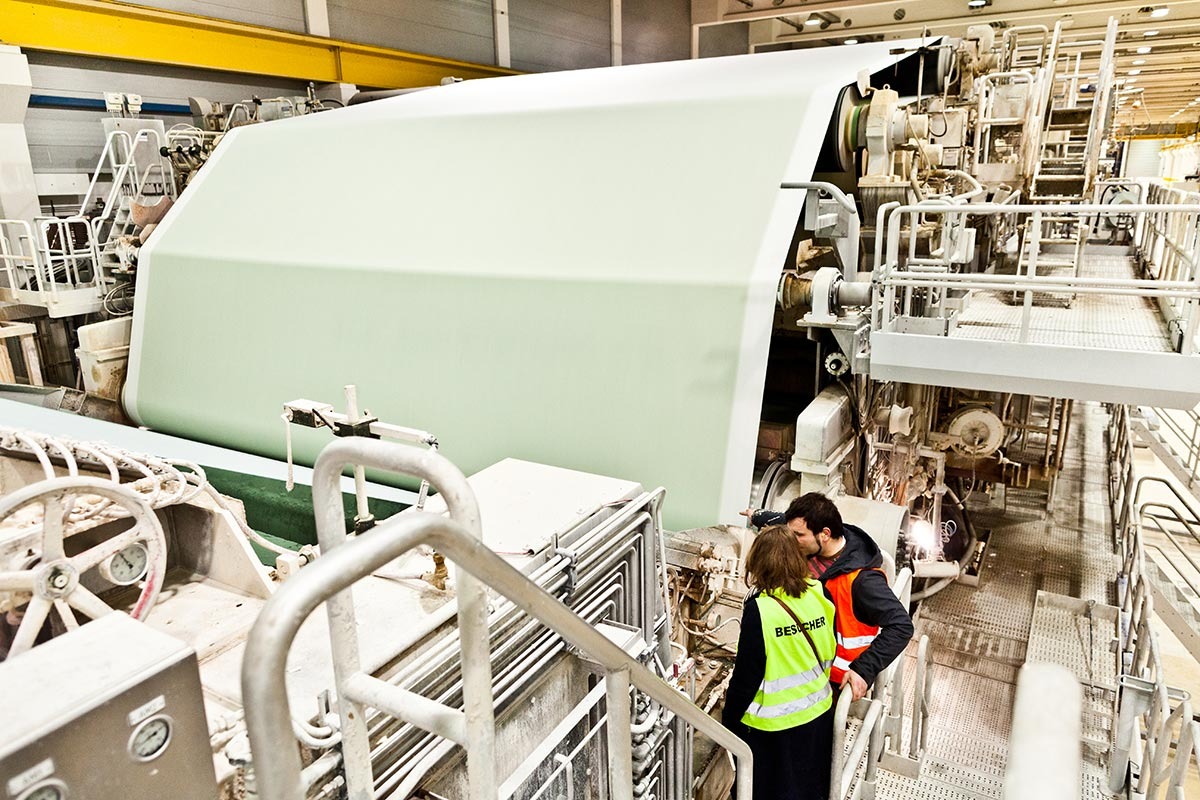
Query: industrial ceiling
column 1158, row 52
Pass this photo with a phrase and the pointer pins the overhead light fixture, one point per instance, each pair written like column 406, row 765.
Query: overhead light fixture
column 1141, row 51
column 1160, row 12
column 978, row 3
column 1135, row 72
column 813, row 19
column 1150, row 33
column 850, row 41
column 1137, row 62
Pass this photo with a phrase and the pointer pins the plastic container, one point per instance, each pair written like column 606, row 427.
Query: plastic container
column 103, row 355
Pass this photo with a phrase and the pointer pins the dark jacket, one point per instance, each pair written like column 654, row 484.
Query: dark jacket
column 791, row 764
column 874, row 602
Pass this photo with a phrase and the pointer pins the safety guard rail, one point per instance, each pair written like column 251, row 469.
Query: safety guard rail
column 343, row 562
column 928, row 279
column 1181, row 430
column 880, row 735
column 1155, row 727
column 50, row 263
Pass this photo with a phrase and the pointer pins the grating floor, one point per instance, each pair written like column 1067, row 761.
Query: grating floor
column 981, row 636
column 1091, row 320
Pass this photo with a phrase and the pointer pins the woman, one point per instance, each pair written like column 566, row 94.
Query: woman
column 780, row 700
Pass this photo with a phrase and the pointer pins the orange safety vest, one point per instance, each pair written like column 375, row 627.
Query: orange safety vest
column 853, row 636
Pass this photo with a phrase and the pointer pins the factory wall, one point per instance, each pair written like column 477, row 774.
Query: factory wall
column 551, row 35
column 461, row 29
column 545, row 35
column 286, row 15
column 63, row 140
column 732, row 39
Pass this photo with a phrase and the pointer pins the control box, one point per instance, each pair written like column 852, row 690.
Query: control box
column 111, row 711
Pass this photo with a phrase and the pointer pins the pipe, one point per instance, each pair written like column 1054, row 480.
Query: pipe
column 383, row 94
column 1045, row 758
column 968, row 554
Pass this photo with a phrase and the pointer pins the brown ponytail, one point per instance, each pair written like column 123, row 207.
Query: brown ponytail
column 776, row 562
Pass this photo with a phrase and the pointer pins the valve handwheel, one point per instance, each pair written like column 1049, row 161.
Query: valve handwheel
column 53, row 582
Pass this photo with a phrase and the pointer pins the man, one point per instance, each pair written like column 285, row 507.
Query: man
column 872, row 626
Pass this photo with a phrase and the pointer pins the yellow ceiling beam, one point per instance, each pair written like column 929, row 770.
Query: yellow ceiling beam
column 107, row 29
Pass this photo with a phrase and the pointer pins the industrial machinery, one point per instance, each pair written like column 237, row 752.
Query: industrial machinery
column 915, row 295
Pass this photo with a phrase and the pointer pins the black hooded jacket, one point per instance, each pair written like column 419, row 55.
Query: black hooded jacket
column 874, row 602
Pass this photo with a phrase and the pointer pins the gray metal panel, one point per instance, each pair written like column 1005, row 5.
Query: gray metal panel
column 725, row 40
column 462, row 29
column 551, row 35
column 1142, row 159
column 286, row 15
column 655, row 30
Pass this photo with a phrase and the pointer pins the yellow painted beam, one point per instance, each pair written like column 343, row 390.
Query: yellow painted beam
column 108, row 29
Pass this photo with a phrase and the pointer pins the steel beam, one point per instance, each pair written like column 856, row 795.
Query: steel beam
column 116, row 30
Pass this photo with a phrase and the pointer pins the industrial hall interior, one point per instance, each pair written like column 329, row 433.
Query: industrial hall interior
column 600, row 400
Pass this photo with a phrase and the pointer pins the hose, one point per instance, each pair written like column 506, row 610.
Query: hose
column 968, row 554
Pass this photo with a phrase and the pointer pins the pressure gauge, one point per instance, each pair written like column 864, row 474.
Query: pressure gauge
column 49, row 790
column 150, row 738
column 127, row 566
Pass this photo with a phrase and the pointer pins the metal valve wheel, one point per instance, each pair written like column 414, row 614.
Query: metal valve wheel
column 53, row 582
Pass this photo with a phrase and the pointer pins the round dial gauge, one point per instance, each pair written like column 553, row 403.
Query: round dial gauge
column 129, row 565
column 50, row 790
column 150, row 738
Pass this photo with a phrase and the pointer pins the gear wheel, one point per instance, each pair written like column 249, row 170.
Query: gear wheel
column 837, row 364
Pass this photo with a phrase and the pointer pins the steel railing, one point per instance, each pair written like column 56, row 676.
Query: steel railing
column 1154, row 727
column 343, row 562
column 921, row 283
column 1181, row 429
column 880, row 733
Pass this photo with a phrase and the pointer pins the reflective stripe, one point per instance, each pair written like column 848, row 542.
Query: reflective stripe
column 792, row 681
column 841, row 663
column 854, row 642
column 785, row 709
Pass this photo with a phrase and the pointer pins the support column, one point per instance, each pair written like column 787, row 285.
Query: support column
column 616, row 33
column 500, row 29
column 18, row 189
column 316, row 18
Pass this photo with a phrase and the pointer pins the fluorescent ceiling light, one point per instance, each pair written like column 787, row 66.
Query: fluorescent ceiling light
column 850, row 41
column 1160, row 12
column 1137, row 62
column 813, row 19
column 1141, row 51
column 1135, row 72
column 976, row 3
column 1150, row 33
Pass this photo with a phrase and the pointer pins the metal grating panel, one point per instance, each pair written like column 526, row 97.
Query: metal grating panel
column 1108, row 322
column 1063, row 634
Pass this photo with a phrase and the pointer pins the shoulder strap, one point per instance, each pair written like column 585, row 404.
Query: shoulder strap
column 800, row 625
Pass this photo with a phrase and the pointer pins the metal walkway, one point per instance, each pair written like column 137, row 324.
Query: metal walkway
column 981, row 636
column 1107, row 322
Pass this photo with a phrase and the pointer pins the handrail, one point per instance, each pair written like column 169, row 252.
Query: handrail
column 1148, row 710
column 1190, row 458
column 889, row 686
column 277, row 763
column 1183, row 499
column 1177, row 284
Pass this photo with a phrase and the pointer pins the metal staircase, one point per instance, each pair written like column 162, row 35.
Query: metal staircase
column 1077, row 98
column 70, row 265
